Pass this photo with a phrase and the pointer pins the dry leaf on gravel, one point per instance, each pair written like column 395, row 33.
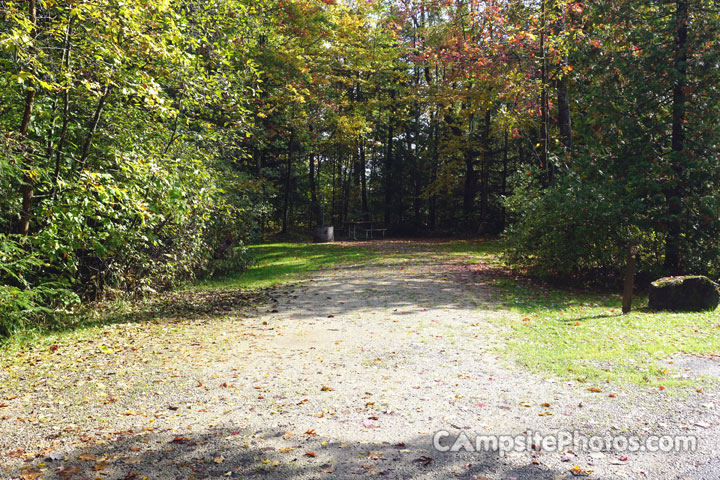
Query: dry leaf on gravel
column 67, row 473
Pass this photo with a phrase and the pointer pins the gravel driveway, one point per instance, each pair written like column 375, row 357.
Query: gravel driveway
column 348, row 373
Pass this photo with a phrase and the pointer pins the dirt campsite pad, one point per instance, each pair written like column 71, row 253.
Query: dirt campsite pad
column 350, row 372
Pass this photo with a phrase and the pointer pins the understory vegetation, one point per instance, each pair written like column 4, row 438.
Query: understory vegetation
column 147, row 144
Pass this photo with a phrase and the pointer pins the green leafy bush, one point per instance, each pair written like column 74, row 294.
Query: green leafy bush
column 23, row 302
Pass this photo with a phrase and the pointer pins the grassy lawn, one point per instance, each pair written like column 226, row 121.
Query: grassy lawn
column 278, row 263
column 584, row 336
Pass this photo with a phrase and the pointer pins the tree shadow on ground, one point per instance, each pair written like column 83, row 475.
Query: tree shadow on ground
column 238, row 452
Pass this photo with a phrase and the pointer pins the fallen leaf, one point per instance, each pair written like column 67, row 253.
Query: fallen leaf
column 182, row 440
column 310, row 454
column 375, row 455
column 66, row 473
column 30, row 474
column 580, row 472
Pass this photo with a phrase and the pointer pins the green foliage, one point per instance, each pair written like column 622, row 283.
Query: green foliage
column 129, row 150
column 22, row 301
column 146, row 144
column 645, row 165
column 570, row 227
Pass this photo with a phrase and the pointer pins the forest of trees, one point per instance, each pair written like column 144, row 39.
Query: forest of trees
column 143, row 143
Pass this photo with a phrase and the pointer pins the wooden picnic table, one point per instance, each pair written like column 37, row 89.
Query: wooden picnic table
column 367, row 226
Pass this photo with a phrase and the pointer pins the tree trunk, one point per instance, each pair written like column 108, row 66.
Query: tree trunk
column 487, row 162
column 389, row 176
column 564, row 119
column 469, row 189
column 334, row 189
column 28, row 187
column 288, row 177
column 432, row 207
column 674, row 193
column 348, row 189
column 544, row 106
column 561, row 84
column 314, row 211
column 629, row 279
column 92, row 128
column 503, row 220
column 363, row 182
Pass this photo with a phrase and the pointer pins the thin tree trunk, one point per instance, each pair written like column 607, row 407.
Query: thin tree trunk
column 629, row 279
column 363, row 182
column 470, row 181
column 674, row 195
column 28, row 187
column 334, row 189
column 313, row 193
column 65, row 110
column 469, row 189
column 564, row 119
column 487, row 162
column 346, row 190
column 563, row 96
column 433, row 176
column 85, row 152
column 389, row 176
column 544, row 106
column 504, row 181
column 288, row 176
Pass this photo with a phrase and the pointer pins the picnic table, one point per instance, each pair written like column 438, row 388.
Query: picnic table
column 369, row 227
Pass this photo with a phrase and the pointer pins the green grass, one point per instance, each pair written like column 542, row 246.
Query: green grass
column 278, row 263
column 584, row 336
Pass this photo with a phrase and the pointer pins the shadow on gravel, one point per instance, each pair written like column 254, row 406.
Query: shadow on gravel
column 229, row 453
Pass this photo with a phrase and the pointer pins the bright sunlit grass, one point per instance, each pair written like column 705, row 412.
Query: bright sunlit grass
column 584, row 336
column 278, row 263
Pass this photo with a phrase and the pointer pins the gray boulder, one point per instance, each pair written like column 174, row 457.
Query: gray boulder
column 689, row 293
